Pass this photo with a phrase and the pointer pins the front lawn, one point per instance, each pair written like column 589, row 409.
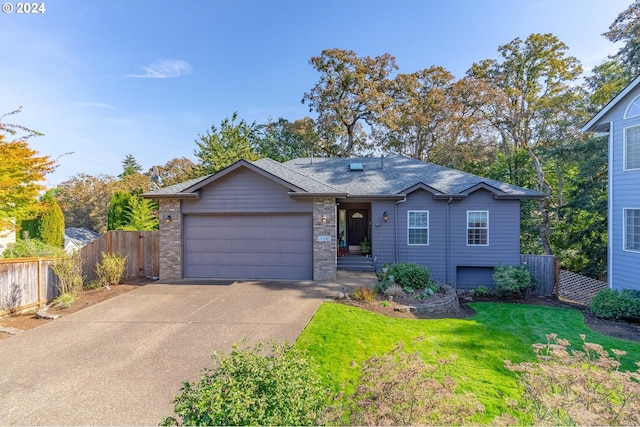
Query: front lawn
column 341, row 337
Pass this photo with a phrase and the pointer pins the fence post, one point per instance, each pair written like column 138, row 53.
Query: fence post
column 40, row 282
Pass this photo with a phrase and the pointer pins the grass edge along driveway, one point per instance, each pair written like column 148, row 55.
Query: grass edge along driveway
column 340, row 337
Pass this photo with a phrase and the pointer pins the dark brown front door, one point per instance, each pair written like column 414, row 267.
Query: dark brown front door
column 357, row 226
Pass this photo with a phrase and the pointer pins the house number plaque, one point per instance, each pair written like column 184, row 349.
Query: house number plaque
column 324, row 238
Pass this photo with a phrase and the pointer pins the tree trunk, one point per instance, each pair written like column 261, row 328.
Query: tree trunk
column 543, row 204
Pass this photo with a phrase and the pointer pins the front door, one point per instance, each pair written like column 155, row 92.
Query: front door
column 357, row 226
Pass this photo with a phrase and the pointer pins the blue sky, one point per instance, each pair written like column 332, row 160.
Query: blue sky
column 105, row 78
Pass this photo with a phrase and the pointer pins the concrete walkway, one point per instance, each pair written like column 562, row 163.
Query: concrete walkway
column 121, row 362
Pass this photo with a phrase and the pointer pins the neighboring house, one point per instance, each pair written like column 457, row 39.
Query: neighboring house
column 620, row 118
column 76, row 238
column 270, row 220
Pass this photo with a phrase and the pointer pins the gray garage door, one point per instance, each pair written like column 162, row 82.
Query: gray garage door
column 248, row 246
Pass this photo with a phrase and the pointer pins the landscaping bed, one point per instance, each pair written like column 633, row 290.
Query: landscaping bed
column 86, row 298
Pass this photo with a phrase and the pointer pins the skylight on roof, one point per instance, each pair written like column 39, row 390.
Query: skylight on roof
column 356, row 167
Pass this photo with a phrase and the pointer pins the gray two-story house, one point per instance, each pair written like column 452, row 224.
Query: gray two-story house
column 620, row 119
column 292, row 220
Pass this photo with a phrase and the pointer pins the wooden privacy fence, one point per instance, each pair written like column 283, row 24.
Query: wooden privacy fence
column 142, row 249
column 26, row 283
column 545, row 269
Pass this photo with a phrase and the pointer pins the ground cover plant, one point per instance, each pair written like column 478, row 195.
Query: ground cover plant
column 342, row 339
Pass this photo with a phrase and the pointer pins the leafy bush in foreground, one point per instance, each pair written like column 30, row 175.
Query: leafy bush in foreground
column 247, row 387
column 399, row 388
column 615, row 305
column 578, row 387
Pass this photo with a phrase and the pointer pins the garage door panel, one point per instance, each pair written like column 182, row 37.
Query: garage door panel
column 249, row 246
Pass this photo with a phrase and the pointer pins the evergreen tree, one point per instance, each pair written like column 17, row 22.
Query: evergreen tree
column 116, row 218
column 141, row 215
column 129, row 166
column 48, row 226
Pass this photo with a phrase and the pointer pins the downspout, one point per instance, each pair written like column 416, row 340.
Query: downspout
column 395, row 237
column 447, row 254
column 610, row 213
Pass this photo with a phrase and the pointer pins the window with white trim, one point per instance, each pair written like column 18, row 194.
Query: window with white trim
column 477, row 228
column 632, row 148
column 632, row 230
column 418, row 227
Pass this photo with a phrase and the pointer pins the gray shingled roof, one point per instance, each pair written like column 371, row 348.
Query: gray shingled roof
column 386, row 176
column 395, row 174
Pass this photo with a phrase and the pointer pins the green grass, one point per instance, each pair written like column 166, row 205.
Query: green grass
column 340, row 337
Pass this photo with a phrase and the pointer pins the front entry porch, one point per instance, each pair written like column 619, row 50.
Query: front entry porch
column 354, row 226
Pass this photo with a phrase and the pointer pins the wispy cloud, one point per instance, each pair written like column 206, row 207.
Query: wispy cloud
column 164, row 68
column 96, row 105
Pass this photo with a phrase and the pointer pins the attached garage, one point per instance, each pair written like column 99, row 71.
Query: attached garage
column 246, row 246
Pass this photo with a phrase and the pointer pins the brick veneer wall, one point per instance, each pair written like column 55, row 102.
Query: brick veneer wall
column 324, row 253
column 170, row 240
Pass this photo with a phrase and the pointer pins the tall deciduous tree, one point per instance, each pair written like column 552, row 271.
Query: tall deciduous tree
column 282, row 140
column 351, row 91
column 222, row 147
column 175, row 171
column 538, row 103
column 626, row 29
column 22, row 176
column 85, row 199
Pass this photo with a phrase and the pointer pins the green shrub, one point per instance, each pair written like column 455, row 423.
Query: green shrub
column 615, row 305
column 412, row 276
column 30, row 248
column 110, row 269
column 481, row 291
column 513, row 281
column 247, row 387
column 69, row 273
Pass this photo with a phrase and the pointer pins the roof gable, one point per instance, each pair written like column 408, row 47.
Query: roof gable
column 597, row 122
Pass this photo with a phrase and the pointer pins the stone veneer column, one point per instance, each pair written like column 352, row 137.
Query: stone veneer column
column 170, row 240
column 324, row 252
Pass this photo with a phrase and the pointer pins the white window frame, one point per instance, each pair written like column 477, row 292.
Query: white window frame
column 409, row 228
column 625, row 234
column 486, row 228
column 634, row 103
column 626, row 151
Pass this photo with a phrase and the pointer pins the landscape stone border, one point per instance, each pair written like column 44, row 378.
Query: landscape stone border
column 443, row 303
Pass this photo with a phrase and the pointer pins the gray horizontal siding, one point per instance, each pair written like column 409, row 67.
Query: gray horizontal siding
column 504, row 235
column 245, row 191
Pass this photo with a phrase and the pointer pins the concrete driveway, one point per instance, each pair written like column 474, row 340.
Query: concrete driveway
column 121, row 362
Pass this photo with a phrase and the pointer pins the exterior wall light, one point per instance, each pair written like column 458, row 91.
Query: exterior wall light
column 324, row 219
column 167, row 219
column 385, row 216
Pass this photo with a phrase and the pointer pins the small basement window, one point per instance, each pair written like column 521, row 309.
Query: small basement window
column 356, row 167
